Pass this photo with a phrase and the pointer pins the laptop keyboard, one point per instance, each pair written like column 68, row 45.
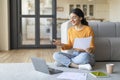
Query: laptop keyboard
column 54, row 71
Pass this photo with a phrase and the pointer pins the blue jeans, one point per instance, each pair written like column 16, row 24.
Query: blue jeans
column 77, row 58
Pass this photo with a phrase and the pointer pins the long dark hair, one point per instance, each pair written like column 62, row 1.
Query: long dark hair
column 80, row 13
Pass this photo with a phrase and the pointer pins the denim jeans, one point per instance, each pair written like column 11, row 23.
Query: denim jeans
column 77, row 58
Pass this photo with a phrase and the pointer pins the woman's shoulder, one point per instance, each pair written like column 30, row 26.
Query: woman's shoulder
column 88, row 27
column 71, row 28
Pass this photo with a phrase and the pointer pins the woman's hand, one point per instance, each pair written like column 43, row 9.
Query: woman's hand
column 79, row 50
column 57, row 42
column 90, row 50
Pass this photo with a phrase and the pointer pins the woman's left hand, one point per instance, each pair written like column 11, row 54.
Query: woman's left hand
column 90, row 50
column 79, row 50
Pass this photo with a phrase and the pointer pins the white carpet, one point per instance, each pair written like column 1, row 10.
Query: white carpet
column 25, row 71
column 21, row 71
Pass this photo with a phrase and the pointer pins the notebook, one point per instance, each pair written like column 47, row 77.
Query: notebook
column 41, row 66
column 99, row 74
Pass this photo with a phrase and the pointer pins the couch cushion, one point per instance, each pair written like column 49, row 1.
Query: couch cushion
column 64, row 31
column 94, row 26
column 117, row 29
column 103, row 50
column 115, row 48
column 106, row 29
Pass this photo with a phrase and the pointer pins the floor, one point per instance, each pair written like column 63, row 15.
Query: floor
column 32, row 41
column 24, row 55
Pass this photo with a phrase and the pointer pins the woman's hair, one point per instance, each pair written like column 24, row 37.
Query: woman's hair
column 80, row 13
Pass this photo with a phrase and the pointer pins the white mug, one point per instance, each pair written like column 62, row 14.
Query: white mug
column 109, row 68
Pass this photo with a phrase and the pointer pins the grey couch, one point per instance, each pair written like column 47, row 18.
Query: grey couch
column 107, row 39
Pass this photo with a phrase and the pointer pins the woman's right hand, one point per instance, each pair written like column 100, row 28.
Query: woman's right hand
column 57, row 42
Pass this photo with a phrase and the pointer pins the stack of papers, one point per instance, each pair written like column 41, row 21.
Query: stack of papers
column 73, row 76
column 82, row 43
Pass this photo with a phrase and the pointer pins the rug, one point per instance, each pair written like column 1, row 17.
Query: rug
column 21, row 71
column 26, row 71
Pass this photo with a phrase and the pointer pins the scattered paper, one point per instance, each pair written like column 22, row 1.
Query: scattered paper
column 82, row 43
column 73, row 76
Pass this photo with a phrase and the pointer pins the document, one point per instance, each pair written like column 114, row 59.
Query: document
column 82, row 43
column 73, row 76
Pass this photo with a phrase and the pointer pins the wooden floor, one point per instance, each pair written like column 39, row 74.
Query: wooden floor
column 24, row 55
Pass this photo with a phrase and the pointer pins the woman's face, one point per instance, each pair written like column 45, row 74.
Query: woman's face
column 74, row 19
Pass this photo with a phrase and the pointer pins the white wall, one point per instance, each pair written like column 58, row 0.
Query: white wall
column 4, row 43
column 101, row 9
column 114, row 10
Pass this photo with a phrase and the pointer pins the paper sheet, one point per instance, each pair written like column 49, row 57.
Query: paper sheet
column 82, row 43
column 73, row 76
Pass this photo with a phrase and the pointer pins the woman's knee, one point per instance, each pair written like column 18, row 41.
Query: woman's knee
column 88, row 59
column 56, row 55
column 82, row 58
column 85, row 55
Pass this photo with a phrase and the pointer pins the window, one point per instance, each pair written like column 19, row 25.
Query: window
column 85, row 9
column 71, row 6
column 77, row 6
column 33, row 23
column 91, row 10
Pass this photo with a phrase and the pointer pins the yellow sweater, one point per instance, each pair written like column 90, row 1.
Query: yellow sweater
column 72, row 34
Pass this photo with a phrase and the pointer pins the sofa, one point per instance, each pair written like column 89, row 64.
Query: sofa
column 107, row 39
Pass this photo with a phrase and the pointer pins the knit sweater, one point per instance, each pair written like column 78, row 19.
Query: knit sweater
column 72, row 34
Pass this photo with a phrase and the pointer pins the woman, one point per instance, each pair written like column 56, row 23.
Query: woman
column 81, row 59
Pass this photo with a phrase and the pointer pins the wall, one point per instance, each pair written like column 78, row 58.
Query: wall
column 101, row 7
column 114, row 10
column 4, row 40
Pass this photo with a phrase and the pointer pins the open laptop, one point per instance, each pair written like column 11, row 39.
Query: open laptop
column 41, row 66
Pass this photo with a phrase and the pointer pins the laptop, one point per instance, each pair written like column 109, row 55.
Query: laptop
column 41, row 66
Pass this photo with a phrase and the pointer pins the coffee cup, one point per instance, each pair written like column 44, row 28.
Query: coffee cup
column 109, row 68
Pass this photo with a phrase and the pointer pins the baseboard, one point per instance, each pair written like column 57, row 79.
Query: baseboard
column 107, row 60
